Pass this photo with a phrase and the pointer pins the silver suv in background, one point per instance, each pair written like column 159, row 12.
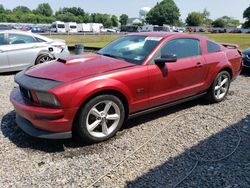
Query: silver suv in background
column 19, row 50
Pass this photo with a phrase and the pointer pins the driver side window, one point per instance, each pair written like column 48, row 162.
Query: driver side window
column 182, row 48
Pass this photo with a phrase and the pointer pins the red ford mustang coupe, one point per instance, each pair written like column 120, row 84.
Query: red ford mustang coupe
column 90, row 96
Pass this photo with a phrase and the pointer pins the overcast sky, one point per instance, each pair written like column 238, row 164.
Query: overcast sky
column 217, row 8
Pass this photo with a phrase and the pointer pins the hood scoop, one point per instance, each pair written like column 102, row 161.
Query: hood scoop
column 77, row 60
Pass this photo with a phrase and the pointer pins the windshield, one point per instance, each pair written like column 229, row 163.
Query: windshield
column 133, row 49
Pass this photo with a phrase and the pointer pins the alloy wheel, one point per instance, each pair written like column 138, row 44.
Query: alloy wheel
column 103, row 118
column 44, row 59
column 221, row 87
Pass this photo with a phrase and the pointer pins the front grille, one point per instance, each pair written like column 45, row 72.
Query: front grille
column 26, row 94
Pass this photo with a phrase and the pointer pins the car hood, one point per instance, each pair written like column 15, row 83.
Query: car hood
column 75, row 67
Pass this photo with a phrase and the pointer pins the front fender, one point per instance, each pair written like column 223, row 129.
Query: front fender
column 100, row 85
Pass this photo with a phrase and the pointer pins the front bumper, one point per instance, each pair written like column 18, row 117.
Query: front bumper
column 40, row 121
column 28, row 128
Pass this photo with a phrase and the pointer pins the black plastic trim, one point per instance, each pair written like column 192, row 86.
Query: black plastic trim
column 34, row 83
column 157, row 108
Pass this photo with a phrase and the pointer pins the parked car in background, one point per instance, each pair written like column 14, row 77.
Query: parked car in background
column 246, row 58
column 6, row 27
column 91, row 95
column 19, row 50
column 58, row 27
column 71, row 27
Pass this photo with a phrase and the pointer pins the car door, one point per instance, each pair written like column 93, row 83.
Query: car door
column 4, row 63
column 180, row 79
column 21, row 50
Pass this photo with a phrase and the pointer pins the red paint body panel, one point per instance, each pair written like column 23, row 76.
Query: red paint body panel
column 143, row 86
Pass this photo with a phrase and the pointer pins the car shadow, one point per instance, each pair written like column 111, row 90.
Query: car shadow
column 245, row 72
column 231, row 171
column 9, row 73
column 11, row 131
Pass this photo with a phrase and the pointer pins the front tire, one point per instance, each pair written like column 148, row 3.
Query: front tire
column 220, row 87
column 100, row 119
column 43, row 58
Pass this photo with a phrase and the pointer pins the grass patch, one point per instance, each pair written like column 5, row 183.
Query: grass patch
column 243, row 40
column 86, row 40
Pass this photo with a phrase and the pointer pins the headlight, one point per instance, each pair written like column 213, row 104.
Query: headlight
column 47, row 99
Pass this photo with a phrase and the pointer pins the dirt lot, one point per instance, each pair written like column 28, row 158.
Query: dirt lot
column 208, row 142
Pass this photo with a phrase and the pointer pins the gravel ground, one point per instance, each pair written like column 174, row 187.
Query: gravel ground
column 156, row 150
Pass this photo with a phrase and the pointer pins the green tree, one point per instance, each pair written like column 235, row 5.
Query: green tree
column 2, row 10
column 246, row 15
column 114, row 20
column 206, row 20
column 230, row 22
column 194, row 19
column 22, row 9
column 44, row 9
column 124, row 19
column 219, row 22
column 67, row 17
column 165, row 12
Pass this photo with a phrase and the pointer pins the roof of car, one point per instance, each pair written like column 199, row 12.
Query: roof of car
column 27, row 33
column 165, row 34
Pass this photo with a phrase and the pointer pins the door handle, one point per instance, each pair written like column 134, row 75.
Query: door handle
column 199, row 64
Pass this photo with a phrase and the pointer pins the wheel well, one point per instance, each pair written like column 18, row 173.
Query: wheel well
column 106, row 92
column 229, row 71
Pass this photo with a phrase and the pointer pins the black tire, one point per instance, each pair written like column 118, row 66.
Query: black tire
column 211, row 96
column 81, row 131
column 43, row 58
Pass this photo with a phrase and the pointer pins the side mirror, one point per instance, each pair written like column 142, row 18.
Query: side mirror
column 168, row 58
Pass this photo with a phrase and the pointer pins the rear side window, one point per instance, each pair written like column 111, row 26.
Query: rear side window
column 1, row 39
column 182, row 48
column 39, row 40
column 212, row 47
column 20, row 39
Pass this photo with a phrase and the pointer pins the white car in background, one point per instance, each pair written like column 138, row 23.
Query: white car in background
column 19, row 50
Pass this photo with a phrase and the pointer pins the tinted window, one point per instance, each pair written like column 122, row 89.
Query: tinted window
column 39, row 40
column 20, row 39
column 212, row 47
column 73, row 27
column 61, row 26
column 182, row 48
column 1, row 39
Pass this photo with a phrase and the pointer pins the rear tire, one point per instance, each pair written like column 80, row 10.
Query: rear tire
column 43, row 58
column 99, row 119
column 220, row 87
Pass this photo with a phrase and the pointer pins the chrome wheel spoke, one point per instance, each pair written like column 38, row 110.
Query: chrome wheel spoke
column 107, row 107
column 217, row 88
column 113, row 117
column 95, row 112
column 219, row 81
column 105, row 128
column 218, row 94
column 94, row 125
column 224, row 81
